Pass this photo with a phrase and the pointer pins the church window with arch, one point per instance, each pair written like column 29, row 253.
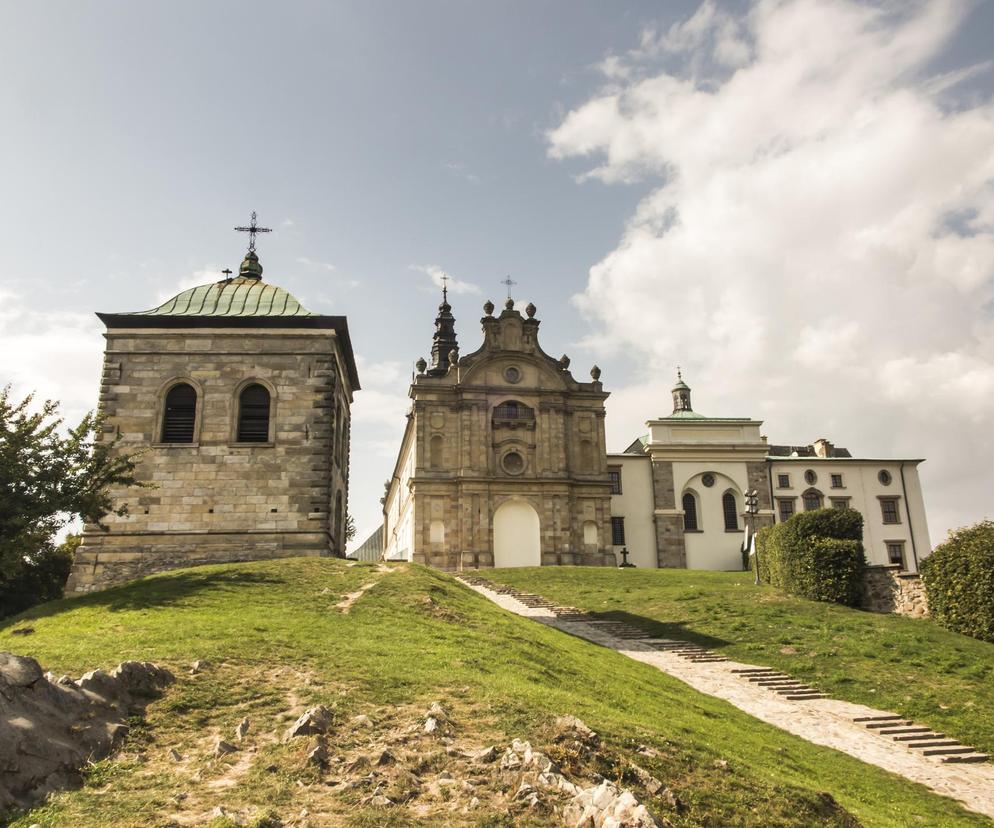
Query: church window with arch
column 690, row 521
column 253, row 414
column 180, row 416
column 812, row 500
column 730, row 510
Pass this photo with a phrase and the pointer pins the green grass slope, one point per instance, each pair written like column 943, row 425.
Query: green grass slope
column 276, row 636
column 910, row 666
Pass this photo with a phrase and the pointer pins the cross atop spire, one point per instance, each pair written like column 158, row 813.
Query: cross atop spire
column 252, row 229
column 445, row 287
column 508, row 282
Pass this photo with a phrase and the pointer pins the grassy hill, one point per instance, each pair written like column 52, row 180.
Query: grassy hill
column 910, row 666
column 279, row 640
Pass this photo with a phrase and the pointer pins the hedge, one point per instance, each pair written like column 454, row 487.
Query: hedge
column 959, row 581
column 816, row 555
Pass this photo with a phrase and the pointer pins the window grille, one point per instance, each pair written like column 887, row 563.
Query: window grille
column 690, row 513
column 730, row 510
column 812, row 500
column 618, row 531
column 786, row 509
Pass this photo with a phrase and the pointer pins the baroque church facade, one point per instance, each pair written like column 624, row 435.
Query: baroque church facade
column 504, row 463
column 238, row 399
column 503, row 460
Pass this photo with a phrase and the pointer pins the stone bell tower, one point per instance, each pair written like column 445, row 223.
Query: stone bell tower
column 238, row 398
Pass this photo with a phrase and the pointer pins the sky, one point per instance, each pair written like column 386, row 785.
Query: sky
column 794, row 201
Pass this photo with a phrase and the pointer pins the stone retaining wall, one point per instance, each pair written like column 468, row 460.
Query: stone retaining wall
column 890, row 589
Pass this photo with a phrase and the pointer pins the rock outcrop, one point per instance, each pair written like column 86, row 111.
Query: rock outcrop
column 49, row 728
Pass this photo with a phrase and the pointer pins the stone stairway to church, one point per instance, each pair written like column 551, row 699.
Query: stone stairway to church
column 902, row 731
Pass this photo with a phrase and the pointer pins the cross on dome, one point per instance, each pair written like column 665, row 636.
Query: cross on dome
column 252, row 229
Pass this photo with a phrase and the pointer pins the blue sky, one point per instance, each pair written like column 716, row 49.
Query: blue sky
column 793, row 200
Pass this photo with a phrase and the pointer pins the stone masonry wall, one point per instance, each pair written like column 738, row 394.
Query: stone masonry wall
column 216, row 499
column 889, row 589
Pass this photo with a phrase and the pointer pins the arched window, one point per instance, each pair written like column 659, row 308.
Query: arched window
column 180, row 415
column 812, row 500
column 690, row 522
column 435, row 452
column 253, row 414
column 730, row 510
column 513, row 411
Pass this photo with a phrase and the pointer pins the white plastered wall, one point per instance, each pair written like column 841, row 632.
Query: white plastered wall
column 861, row 485
column 635, row 504
column 712, row 547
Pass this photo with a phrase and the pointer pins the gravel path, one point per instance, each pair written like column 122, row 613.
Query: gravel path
column 827, row 722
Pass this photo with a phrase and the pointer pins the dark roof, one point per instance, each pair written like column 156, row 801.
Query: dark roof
column 638, row 447
column 804, row 451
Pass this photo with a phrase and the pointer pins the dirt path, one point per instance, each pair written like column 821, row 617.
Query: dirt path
column 822, row 721
column 350, row 598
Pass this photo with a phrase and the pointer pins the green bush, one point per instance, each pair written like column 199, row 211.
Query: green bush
column 959, row 581
column 816, row 555
column 42, row 577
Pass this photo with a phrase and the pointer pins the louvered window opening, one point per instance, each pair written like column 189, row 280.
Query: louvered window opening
column 690, row 513
column 180, row 415
column 253, row 415
column 730, row 510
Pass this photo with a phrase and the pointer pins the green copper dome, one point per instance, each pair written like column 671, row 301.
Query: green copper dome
column 242, row 296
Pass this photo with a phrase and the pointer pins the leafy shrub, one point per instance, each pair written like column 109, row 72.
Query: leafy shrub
column 816, row 555
column 959, row 581
column 42, row 577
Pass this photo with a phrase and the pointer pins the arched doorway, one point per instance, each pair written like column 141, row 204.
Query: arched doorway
column 516, row 535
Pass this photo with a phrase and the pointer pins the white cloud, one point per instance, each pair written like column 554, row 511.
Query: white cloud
column 436, row 273
column 304, row 260
column 54, row 355
column 819, row 246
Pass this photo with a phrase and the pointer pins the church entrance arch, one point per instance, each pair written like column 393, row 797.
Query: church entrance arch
column 517, row 535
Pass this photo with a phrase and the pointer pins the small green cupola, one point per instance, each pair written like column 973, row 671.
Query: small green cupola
column 250, row 267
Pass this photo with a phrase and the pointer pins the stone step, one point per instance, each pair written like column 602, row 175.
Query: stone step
column 777, row 682
column 933, row 744
column 948, row 751
column 746, row 671
column 889, row 723
column 805, row 696
column 966, row 758
column 889, row 731
column 757, row 679
column 882, row 718
column 914, row 737
column 800, row 688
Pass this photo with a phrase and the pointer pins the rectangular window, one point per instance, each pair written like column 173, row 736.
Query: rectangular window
column 618, row 531
column 840, row 502
column 615, row 473
column 837, row 481
column 888, row 509
column 783, row 481
column 895, row 553
column 786, row 507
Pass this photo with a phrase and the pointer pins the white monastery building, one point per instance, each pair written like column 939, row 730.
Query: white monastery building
column 712, row 461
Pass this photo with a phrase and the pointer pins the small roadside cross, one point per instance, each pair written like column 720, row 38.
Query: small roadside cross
column 252, row 229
